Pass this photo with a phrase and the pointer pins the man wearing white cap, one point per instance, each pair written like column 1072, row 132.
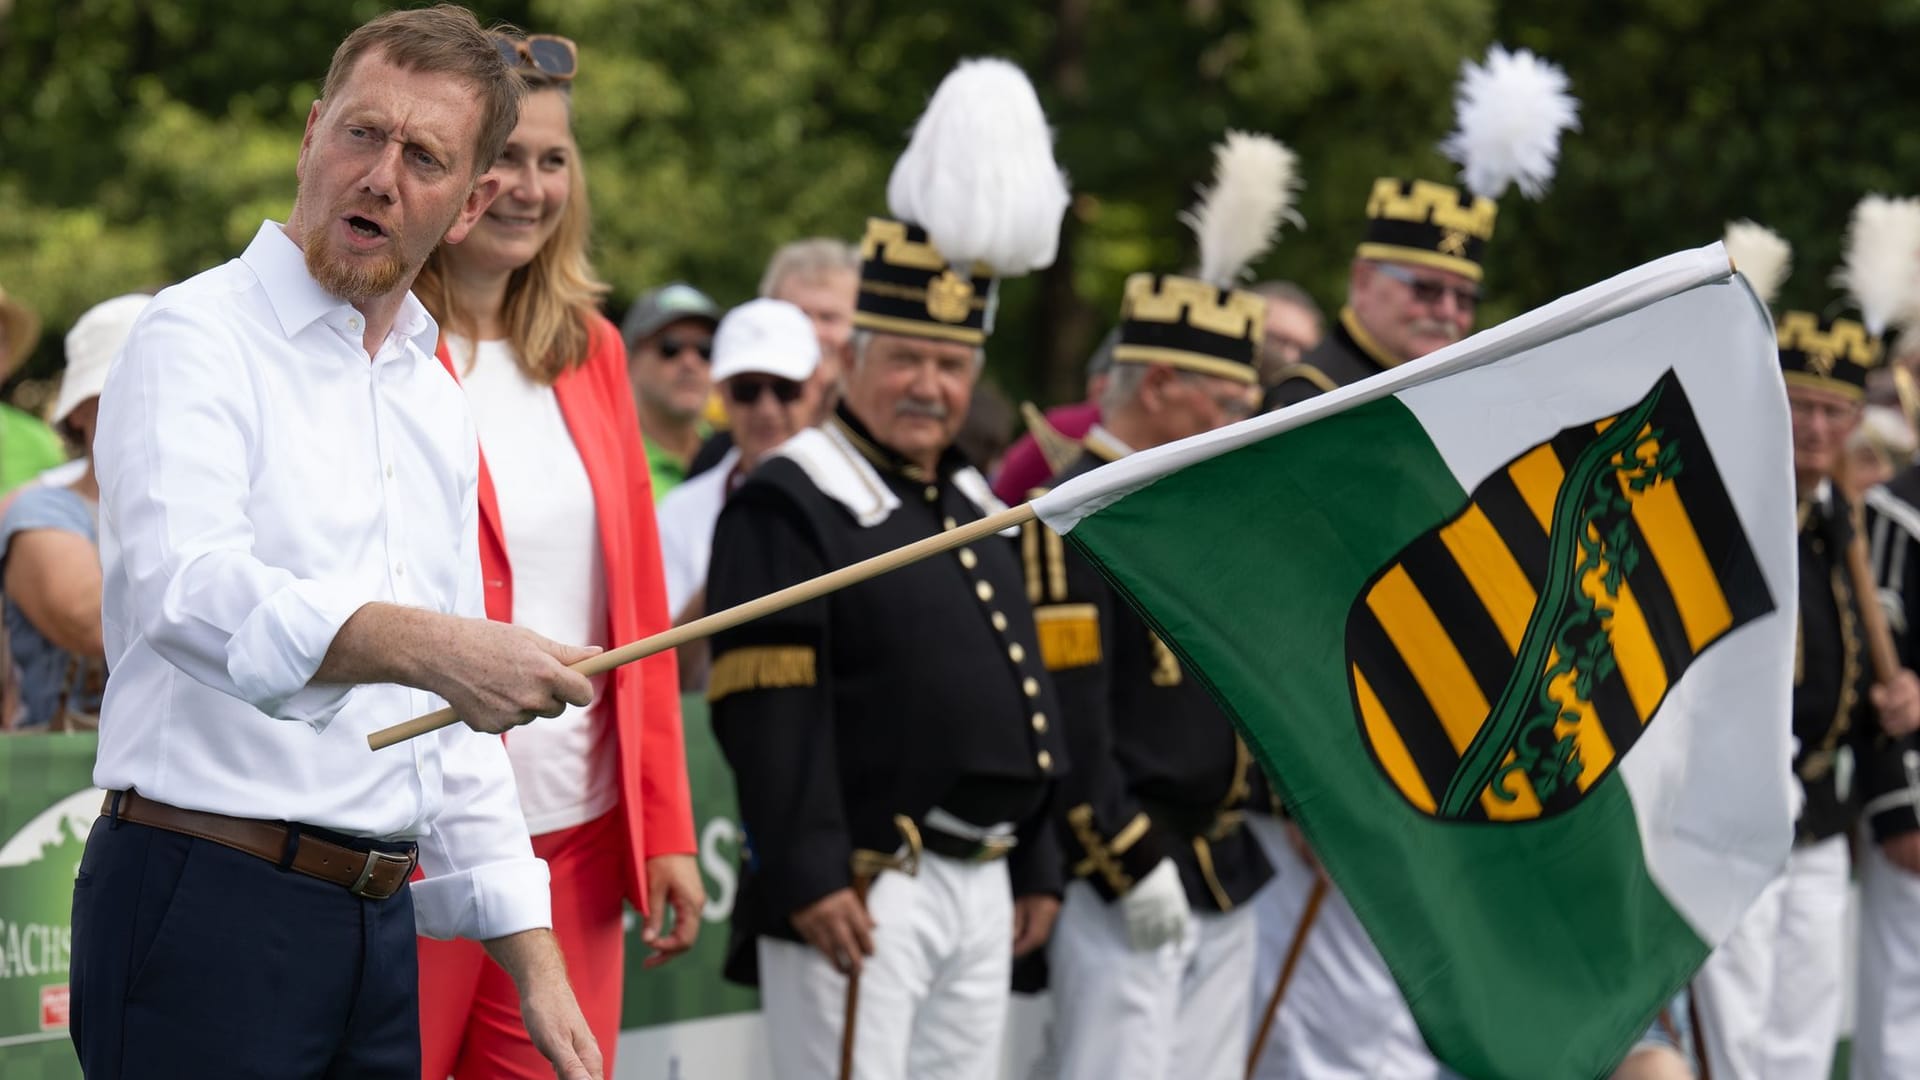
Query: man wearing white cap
column 49, row 558
column 764, row 356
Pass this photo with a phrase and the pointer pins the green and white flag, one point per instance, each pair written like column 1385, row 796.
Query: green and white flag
column 1512, row 628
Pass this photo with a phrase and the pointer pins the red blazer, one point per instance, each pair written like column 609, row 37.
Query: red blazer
column 597, row 403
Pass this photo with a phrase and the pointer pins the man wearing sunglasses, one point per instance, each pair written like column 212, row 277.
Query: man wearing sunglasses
column 1414, row 287
column 764, row 357
column 669, row 333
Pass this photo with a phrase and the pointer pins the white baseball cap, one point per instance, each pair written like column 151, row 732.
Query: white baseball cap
column 91, row 346
column 770, row 337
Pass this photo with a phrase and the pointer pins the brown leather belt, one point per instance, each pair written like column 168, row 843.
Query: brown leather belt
column 373, row 875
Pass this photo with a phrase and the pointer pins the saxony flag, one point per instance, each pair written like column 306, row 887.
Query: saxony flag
column 1511, row 627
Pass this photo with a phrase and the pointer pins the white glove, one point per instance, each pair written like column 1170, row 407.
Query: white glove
column 1156, row 908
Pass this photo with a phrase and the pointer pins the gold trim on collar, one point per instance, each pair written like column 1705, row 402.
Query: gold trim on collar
column 1433, row 260
column 1364, row 340
column 1309, row 374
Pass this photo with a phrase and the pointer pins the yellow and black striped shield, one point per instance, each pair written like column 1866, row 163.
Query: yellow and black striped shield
column 1505, row 661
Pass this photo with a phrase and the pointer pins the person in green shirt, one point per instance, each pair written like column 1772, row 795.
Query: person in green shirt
column 669, row 334
column 28, row 447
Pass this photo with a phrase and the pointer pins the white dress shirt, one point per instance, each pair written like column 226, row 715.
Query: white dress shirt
column 687, row 516
column 260, row 480
column 567, row 767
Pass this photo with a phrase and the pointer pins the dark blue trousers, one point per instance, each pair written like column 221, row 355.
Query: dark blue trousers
column 191, row 959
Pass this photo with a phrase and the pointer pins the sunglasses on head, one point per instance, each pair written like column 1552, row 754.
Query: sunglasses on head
column 549, row 54
column 1428, row 291
column 745, row 390
column 673, row 345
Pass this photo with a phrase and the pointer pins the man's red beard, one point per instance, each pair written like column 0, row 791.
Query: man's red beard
column 354, row 281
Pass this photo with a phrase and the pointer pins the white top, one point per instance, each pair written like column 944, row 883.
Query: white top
column 565, row 766
column 260, row 480
column 687, row 516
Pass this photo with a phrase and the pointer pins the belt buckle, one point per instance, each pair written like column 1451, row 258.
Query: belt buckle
column 993, row 847
column 376, row 859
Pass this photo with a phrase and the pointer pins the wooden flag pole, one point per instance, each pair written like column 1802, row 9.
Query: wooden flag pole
column 1866, row 592
column 788, row 597
column 1307, row 915
column 1886, row 661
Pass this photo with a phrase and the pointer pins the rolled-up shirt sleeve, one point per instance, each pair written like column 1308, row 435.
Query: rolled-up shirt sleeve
column 179, row 427
column 482, row 879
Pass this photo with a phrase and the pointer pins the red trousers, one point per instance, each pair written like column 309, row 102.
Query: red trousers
column 470, row 1026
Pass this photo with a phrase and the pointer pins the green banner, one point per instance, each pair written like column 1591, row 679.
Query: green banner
column 47, row 803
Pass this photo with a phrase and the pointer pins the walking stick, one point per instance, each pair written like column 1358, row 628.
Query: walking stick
column 861, row 883
column 868, row 866
column 790, row 596
column 1699, row 1032
column 1307, row 915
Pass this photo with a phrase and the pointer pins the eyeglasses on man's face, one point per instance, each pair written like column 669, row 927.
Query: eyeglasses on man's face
column 1428, row 290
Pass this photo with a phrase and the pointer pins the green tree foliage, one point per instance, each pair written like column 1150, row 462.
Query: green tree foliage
column 143, row 140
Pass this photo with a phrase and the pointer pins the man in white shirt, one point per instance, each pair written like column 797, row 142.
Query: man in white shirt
column 289, row 540
column 764, row 357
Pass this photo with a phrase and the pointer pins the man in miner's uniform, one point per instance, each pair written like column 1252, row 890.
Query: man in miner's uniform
column 896, row 744
column 1769, row 998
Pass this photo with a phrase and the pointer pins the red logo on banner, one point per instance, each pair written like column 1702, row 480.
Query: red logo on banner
column 53, row 1006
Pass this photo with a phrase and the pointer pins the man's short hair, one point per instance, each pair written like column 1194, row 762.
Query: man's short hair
column 1288, row 292
column 812, row 259
column 441, row 40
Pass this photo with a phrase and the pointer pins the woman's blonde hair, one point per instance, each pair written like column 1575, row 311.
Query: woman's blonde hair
column 552, row 302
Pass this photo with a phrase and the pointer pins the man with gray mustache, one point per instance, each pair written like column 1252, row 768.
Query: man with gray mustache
column 1414, row 287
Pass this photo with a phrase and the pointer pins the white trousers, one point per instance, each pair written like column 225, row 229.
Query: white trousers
column 1178, row 1012
column 1769, row 999
column 1886, row 1026
column 933, row 996
column 1343, row 1017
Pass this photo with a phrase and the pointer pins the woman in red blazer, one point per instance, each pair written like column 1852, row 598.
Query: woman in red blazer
column 568, row 548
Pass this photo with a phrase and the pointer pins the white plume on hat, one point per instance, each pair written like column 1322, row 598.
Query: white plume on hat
column 979, row 173
column 1761, row 255
column 1237, row 220
column 1881, row 263
column 1508, row 115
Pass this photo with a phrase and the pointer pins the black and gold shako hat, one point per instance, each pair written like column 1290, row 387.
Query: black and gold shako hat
column 1186, row 323
column 1428, row 224
column 1203, row 322
column 908, row 287
column 1827, row 354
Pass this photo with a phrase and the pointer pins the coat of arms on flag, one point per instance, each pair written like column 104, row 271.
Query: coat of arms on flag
column 1506, row 661
column 1511, row 629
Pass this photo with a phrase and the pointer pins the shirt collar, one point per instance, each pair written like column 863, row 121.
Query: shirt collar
column 1105, row 445
column 884, row 457
column 298, row 300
